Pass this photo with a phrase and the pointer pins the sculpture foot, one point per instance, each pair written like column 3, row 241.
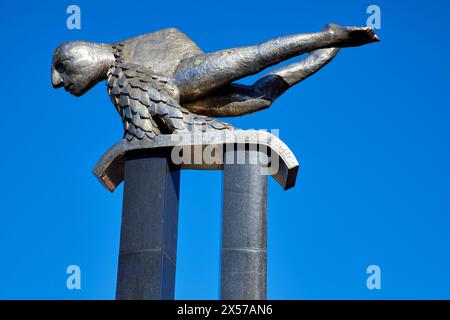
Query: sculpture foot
column 353, row 36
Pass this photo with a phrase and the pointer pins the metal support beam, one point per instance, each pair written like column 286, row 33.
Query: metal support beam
column 148, row 240
column 244, row 230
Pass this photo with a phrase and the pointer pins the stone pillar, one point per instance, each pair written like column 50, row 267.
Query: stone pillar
column 148, row 239
column 244, row 230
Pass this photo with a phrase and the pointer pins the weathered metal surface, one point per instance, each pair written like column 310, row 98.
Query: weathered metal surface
column 161, row 82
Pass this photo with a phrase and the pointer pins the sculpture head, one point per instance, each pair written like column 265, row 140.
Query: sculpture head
column 78, row 66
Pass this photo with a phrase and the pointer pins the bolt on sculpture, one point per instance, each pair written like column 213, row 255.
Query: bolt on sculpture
column 163, row 86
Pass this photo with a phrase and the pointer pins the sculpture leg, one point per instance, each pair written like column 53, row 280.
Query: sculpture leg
column 148, row 240
column 299, row 71
column 244, row 231
column 199, row 75
column 237, row 99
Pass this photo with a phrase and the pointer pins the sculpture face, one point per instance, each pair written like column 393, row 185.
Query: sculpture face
column 76, row 67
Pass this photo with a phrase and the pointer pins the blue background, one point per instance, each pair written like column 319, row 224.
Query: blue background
column 371, row 131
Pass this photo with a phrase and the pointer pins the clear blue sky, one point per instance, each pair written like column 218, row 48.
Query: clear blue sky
column 371, row 132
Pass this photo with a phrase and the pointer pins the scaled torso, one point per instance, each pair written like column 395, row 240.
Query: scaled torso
column 141, row 86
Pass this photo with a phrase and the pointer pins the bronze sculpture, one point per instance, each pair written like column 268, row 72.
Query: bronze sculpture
column 164, row 88
column 162, row 82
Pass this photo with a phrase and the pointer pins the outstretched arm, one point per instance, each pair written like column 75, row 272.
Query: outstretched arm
column 199, row 75
column 236, row 100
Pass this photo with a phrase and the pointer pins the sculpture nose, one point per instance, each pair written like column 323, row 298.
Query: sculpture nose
column 57, row 80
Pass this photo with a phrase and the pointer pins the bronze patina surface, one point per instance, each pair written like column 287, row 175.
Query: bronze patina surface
column 162, row 83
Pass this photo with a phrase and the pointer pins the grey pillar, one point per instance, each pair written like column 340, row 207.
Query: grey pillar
column 148, row 239
column 244, row 231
